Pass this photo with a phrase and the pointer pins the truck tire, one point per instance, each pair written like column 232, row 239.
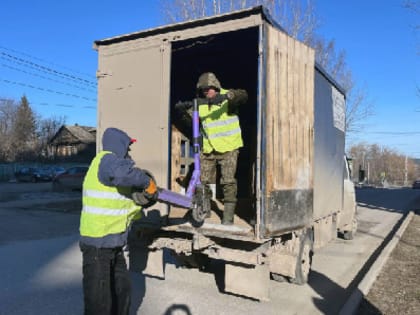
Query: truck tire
column 304, row 259
column 349, row 235
column 195, row 260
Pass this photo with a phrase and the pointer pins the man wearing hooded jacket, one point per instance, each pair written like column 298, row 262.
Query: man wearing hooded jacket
column 221, row 133
column 107, row 213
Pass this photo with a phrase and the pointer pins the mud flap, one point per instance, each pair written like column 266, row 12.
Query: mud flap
column 154, row 265
column 250, row 281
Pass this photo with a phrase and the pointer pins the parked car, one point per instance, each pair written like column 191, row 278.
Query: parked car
column 57, row 170
column 71, row 179
column 33, row 174
column 416, row 184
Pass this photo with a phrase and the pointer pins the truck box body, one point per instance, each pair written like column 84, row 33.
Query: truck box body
column 290, row 170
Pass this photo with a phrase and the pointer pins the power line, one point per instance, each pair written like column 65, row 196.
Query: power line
column 12, row 58
column 394, row 133
column 30, row 68
column 46, row 78
column 45, row 61
column 47, row 90
column 64, row 105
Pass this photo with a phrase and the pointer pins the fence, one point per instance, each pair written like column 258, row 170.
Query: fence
column 7, row 171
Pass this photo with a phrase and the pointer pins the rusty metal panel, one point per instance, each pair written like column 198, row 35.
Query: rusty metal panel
column 133, row 95
column 288, row 134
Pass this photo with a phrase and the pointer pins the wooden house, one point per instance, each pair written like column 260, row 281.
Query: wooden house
column 73, row 143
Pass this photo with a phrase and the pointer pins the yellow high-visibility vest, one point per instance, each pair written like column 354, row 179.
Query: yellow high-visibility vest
column 222, row 132
column 106, row 210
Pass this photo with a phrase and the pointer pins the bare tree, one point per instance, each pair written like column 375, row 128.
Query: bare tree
column 299, row 20
column 24, row 134
column 381, row 164
column 414, row 7
column 8, row 109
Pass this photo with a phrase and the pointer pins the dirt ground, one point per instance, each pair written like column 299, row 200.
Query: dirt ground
column 397, row 288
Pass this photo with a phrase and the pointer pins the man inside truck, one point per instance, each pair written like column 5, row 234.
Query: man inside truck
column 221, row 134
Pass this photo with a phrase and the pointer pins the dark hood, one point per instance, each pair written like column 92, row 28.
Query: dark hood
column 116, row 141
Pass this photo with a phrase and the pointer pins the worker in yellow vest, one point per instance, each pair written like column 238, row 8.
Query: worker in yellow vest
column 222, row 137
column 108, row 210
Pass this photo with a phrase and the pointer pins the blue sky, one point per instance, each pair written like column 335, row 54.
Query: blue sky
column 380, row 46
column 46, row 53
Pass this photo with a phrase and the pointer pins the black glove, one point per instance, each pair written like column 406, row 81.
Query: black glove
column 230, row 95
column 218, row 99
column 146, row 197
column 183, row 106
column 143, row 198
column 202, row 101
column 139, row 198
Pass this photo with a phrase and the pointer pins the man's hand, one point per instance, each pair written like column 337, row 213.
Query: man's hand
column 147, row 196
column 183, row 106
column 141, row 199
column 218, row 99
column 230, row 95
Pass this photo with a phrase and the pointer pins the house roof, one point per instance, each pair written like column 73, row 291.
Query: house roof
column 74, row 134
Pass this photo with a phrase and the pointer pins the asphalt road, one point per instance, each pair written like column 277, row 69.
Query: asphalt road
column 41, row 264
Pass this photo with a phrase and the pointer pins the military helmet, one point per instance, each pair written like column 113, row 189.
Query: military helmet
column 208, row 79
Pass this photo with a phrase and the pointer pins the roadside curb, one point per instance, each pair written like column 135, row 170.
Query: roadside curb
column 353, row 302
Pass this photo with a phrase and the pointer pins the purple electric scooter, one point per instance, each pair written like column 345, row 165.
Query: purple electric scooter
column 197, row 197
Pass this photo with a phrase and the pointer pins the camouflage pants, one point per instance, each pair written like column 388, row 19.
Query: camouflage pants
column 227, row 162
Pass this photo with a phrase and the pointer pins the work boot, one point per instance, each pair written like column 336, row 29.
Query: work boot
column 228, row 213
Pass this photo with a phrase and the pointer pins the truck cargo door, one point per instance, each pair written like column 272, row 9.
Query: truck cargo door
column 287, row 133
column 133, row 95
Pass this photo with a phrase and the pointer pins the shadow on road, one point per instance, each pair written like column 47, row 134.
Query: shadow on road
column 367, row 308
column 395, row 200
column 330, row 291
column 137, row 258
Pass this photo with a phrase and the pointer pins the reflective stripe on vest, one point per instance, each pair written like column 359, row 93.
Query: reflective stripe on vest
column 106, row 210
column 222, row 132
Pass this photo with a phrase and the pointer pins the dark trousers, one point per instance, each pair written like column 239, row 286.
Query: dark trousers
column 106, row 281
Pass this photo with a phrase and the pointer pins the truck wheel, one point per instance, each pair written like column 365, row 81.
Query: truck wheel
column 202, row 205
column 195, row 260
column 349, row 235
column 304, row 259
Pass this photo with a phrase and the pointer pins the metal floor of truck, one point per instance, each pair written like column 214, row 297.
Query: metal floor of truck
column 177, row 220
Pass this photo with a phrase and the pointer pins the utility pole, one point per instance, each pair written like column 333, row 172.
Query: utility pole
column 406, row 172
